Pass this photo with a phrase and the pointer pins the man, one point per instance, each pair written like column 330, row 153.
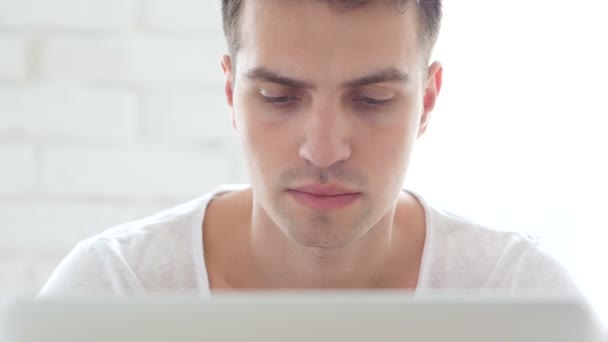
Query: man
column 327, row 98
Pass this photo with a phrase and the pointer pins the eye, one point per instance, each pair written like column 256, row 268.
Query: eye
column 372, row 101
column 279, row 99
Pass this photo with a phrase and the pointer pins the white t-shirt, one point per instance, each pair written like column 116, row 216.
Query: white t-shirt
column 164, row 254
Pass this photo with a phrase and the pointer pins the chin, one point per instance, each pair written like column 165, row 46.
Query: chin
column 323, row 237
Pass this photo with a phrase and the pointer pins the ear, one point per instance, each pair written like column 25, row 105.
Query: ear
column 431, row 91
column 229, row 85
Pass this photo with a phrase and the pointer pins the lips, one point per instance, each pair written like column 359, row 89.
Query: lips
column 324, row 189
column 324, row 196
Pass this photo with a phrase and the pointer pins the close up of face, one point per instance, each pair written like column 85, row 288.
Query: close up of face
column 328, row 103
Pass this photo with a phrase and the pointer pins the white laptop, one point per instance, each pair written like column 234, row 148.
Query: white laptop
column 346, row 316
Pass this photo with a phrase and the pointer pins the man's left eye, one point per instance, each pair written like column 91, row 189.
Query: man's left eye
column 371, row 101
column 279, row 99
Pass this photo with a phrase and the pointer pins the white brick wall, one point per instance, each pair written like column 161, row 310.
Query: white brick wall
column 20, row 274
column 12, row 57
column 28, row 226
column 110, row 110
column 191, row 116
column 68, row 14
column 69, row 112
column 140, row 173
column 133, row 59
column 17, row 171
column 181, row 14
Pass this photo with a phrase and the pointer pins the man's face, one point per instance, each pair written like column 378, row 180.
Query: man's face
column 328, row 103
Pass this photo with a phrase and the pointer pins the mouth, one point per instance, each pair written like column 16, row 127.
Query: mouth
column 324, row 197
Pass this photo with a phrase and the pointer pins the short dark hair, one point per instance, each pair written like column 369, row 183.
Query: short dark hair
column 429, row 14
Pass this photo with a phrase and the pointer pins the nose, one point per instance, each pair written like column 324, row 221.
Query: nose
column 326, row 138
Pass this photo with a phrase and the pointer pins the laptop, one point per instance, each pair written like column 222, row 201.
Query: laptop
column 292, row 316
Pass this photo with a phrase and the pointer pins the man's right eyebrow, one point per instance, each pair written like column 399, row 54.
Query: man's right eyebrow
column 265, row 75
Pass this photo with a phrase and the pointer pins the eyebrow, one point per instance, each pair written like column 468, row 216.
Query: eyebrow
column 386, row 75
column 263, row 74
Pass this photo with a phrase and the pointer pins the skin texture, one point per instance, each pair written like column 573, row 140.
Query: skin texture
column 323, row 97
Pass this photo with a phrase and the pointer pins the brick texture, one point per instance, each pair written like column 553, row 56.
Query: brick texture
column 185, row 116
column 12, row 57
column 57, row 225
column 133, row 59
column 70, row 14
column 17, row 170
column 140, row 173
column 190, row 15
column 110, row 110
column 68, row 113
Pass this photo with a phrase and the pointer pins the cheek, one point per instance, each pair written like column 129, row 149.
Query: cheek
column 267, row 146
column 387, row 152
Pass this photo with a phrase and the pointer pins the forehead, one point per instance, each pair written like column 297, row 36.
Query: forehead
column 315, row 40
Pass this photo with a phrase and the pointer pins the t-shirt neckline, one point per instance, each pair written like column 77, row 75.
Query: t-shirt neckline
column 199, row 250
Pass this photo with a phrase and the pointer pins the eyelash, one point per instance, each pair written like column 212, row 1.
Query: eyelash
column 370, row 101
column 287, row 100
column 279, row 100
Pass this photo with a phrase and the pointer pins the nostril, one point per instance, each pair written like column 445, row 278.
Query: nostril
column 323, row 154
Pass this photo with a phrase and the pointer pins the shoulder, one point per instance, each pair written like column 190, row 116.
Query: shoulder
column 168, row 227
column 129, row 258
column 159, row 253
column 93, row 266
column 461, row 234
column 474, row 256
